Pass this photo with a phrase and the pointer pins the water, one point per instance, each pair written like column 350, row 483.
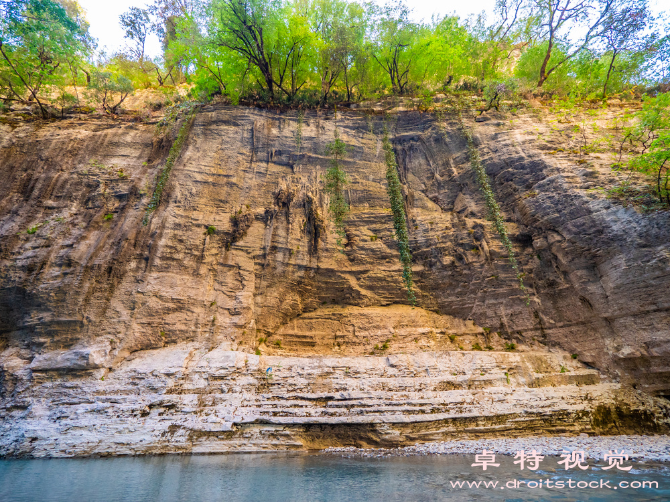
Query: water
column 306, row 477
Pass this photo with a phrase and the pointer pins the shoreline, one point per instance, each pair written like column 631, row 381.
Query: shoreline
column 640, row 448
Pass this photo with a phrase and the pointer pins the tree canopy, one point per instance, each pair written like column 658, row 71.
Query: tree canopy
column 315, row 52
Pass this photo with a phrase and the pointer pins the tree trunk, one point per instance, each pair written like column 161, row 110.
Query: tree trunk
column 543, row 68
column 609, row 71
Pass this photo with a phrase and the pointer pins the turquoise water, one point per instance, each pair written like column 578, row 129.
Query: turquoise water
column 307, row 477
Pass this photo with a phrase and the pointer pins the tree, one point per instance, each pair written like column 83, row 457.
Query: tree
column 392, row 42
column 653, row 133
column 271, row 38
column 37, row 40
column 110, row 90
column 623, row 31
column 491, row 45
column 137, row 25
column 556, row 18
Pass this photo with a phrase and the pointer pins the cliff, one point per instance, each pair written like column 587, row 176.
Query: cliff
column 119, row 337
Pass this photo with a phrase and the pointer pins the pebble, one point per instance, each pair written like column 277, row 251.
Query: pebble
column 647, row 448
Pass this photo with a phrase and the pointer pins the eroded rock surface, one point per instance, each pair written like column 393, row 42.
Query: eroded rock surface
column 173, row 313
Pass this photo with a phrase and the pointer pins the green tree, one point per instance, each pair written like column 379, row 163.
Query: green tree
column 110, row 90
column 272, row 38
column 38, row 40
column 623, row 31
column 653, row 133
column 393, row 43
column 555, row 19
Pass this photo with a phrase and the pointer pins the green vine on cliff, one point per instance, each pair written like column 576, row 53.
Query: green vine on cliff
column 495, row 214
column 164, row 174
column 336, row 179
column 394, row 189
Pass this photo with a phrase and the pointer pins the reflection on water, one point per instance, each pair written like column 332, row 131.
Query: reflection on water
column 305, row 477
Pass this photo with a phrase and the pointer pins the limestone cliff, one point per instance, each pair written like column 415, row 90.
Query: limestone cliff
column 120, row 337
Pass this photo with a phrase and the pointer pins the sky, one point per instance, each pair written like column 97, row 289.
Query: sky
column 103, row 15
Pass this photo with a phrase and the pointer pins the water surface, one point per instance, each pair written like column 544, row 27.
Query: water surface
column 308, row 477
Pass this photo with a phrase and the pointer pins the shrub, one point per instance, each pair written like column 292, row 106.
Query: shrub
column 509, row 346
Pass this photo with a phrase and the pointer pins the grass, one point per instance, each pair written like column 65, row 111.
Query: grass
column 476, row 346
column 108, row 217
column 509, row 346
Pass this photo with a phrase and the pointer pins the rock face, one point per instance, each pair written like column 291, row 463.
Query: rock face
column 119, row 337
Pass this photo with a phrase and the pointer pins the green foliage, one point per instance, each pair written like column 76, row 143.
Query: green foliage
column 110, row 90
column 309, row 53
column 653, row 132
column 164, row 174
column 476, row 346
column 108, row 217
column 495, row 214
column 530, row 62
column 32, row 230
column 510, row 347
column 210, row 230
column 394, row 189
column 336, row 179
column 40, row 44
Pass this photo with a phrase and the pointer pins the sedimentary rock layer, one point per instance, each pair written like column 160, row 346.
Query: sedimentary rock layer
column 241, row 253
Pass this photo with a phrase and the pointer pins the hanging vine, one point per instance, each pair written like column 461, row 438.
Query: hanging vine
column 495, row 214
column 336, row 179
column 164, row 174
column 399, row 218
